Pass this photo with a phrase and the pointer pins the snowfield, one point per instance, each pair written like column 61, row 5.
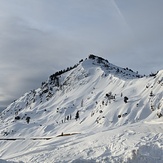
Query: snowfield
column 91, row 112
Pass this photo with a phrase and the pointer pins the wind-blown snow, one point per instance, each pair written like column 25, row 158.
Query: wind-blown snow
column 108, row 129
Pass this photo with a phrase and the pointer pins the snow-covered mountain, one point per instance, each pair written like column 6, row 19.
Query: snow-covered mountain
column 91, row 112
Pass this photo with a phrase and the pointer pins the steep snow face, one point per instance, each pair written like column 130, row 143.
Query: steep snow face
column 91, row 98
column 83, row 87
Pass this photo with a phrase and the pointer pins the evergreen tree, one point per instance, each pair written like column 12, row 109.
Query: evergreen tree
column 82, row 103
column 28, row 119
column 151, row 94
column 77, row 115
column 125, row 99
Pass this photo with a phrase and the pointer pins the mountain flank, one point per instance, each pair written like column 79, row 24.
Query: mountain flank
column 93, row 98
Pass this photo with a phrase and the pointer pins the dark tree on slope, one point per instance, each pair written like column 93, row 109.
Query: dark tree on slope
column 125, row 99
column 151, row 94
column 110, row 96
column 159, row 115
column 117, row 71
column 91, row 56
column 28, row 119
column 17, row 118
column 77, row 115
column 82, row 102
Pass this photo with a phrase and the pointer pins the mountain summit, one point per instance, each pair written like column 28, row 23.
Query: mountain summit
column 98, row 106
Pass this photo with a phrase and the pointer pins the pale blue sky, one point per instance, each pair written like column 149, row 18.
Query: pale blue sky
column 39, row 37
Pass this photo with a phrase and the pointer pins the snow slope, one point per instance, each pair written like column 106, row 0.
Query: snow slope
column 111, row 128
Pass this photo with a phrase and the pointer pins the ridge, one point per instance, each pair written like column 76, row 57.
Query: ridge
column 93, row 101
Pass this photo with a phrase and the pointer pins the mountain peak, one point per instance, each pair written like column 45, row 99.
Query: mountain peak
column 110, row 68
column 94, row 57
column 94, row 98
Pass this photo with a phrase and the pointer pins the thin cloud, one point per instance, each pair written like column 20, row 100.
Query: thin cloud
column 40, row 37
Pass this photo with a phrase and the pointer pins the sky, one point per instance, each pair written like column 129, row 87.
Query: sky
column 40, row 37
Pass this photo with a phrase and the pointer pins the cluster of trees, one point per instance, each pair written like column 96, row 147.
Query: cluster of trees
column 54, row 78
column 110, row 96
column 122, row 115
column 69, row 117
column 99, row 60
column 129, row 70
column 17, row 118
column 105, row 62
column 91, row 56
column 159, row 114
column 27, row 118
column 31, row 97
column 153, row 74
column 153, row 108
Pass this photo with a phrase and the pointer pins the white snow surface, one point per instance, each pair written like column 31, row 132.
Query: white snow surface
column 108, row 129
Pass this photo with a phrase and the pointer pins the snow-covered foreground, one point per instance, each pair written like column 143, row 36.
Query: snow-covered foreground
column 93, row 112
column 140, row 142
